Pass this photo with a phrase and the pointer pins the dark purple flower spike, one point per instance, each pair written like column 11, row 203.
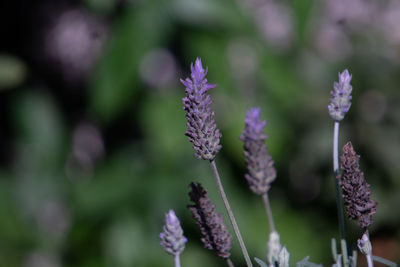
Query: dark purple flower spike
column 215, row 235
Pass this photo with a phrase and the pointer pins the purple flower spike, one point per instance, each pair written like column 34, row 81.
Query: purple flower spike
column 261, row 170
column 341, row 96
column 172, row 239
column 201, row 127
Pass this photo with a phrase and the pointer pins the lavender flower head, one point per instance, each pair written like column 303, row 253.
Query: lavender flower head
column 215, row 235
column 341, row 96
column 261, row 170
column 172, row 239
column 356, row 193
column 201, row 127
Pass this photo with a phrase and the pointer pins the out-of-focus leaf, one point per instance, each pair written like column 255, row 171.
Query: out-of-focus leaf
column 305, row 263
column 302, row 10
column 280, row 81
column 39, row 130
column 213, row 14
column 12, row 230
column 12, row 71
column 118, row 181
column 116, row 80
column 124, row 241
column 103, row 6
column 164, row 124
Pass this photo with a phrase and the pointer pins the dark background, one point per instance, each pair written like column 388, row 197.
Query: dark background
column 92, row 145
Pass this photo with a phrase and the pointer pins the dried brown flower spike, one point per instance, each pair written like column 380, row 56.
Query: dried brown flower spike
column 356, row 192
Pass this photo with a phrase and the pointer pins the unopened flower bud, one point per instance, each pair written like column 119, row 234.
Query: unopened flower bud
column 172, row 239
column 274, row 248
column 364, row 245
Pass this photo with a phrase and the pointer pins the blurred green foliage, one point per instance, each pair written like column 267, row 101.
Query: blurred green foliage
column 59, row 208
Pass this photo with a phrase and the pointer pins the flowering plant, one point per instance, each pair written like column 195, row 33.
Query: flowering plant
column 202, row 131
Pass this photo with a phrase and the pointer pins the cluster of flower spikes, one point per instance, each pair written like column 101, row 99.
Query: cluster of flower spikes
column 201, row 127
column 215, row 235
column 341, row 97
column 172, row 239
column 260, row 166
column 356, row 191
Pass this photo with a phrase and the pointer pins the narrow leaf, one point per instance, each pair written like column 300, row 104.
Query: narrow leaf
column 260, row 262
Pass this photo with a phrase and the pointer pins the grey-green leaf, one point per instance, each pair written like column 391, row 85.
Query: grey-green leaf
column 260, row 262
column 305, row 263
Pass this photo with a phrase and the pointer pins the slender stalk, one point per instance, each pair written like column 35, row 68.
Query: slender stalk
column 230, row 214
column 339, row 203
column 229, row 262
column 369, row 260
column 344, row 253
column 177, row 261
column 336, row 146
column 354, row 259
column 364, row 244
column 269, row 212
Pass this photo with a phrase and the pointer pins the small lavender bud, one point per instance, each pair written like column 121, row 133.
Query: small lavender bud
column 172, row 239
column 356, row 192
column 215, row 235
column 341, row 96
column 274, row 248
column 365, row 245
column 260, row 166
column 201, row 127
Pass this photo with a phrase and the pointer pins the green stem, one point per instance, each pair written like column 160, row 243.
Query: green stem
column 230, row 214
column 269, row 212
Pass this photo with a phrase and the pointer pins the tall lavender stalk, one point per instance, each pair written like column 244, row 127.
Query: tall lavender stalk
column 339, row 105
column 203, row 133
column 172, row 239
column 261, row 171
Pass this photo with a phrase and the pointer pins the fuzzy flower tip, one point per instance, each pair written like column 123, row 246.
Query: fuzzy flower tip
column 260, row 166
column 215, row 235
column 356, row 192
column 172, row 239
column 201, row 127
column 341, row 96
